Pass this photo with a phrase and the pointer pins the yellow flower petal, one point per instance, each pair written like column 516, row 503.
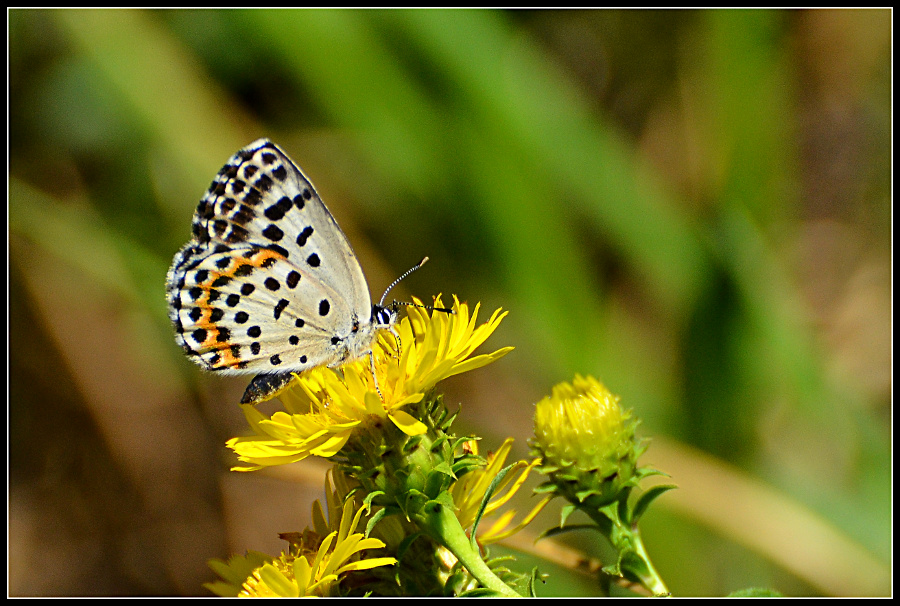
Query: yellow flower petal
column 277, row 582
column 407, row 423
column 469, row 491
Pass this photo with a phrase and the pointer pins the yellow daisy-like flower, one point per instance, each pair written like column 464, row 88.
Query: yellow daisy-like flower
column 313, row 565
column 469, row 491
column 325, row 405
column 235, row 572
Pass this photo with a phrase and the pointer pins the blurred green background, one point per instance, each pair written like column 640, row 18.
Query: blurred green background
column 692, row 206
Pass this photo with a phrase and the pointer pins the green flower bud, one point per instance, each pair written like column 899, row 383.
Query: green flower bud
column 586, row 443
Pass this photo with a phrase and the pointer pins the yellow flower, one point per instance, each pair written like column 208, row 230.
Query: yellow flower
column 234, row 572
column 312, row 566
column 325, row 406
column 468, row 493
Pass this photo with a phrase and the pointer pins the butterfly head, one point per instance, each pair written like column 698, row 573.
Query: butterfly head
column 384, row 316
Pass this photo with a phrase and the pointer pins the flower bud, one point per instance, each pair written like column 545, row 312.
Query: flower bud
column 586, row 443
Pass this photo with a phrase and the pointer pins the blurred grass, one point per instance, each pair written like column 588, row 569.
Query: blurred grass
column 693, row 206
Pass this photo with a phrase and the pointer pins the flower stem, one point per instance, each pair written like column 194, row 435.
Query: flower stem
column 439, row 522
column 628, row 537
column 651, row 581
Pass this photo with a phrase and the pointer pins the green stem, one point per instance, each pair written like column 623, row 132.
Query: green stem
column 440, row 523
column 623, row 536
column 653, row 581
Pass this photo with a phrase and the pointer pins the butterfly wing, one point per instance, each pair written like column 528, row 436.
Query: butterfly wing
column 269, row 282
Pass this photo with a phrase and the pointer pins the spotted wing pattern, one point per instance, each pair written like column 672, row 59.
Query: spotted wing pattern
column 269, row 282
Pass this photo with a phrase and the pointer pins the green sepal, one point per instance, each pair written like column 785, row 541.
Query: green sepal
column 381, row 513
column 439, row 443
column 646, row 472
column 446, row 421
column 445, row 499
column 466, row 464
column 582, row 495
column 438, row 479
column 444, row 468
column 360, row 473
column 367, row 501
column 443, row 418
column 410, row 445
column 565, row 512
column 457, row 445
column 622, row 510
column 535, row 576
column 547, row 469
column 545, row 488
column 413, row 502
column 456, row 580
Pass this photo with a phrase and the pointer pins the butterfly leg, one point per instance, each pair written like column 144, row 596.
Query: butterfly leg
column 375, row 376
column 399, row 344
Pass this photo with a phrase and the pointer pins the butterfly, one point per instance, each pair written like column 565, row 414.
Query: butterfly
column 268, row 283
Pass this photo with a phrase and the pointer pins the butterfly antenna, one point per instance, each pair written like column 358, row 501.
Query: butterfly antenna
column 397, row 281
column 428, row 307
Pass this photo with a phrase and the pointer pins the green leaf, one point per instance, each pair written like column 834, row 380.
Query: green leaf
column 558, row 530
column 445, row 421
column 645, row 499
column 487, row 497
column 633, row 566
